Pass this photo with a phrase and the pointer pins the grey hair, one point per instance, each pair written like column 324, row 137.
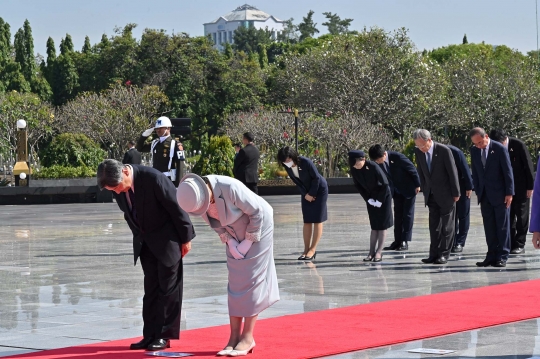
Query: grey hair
column 422, row 134
column 477, row 131
column 109, row 173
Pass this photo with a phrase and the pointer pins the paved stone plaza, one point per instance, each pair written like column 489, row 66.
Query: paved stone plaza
column 67, row 277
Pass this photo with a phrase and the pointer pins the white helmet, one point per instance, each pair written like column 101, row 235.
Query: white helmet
column 163, row 121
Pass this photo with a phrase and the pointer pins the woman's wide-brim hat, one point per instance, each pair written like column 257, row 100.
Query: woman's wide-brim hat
column 192, row 195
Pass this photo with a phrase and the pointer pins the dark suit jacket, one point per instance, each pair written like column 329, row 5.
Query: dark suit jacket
column 463, row 170
column 310, row 180
column 403, row 174
column 371, row 182
column 522, row 167
column 442, row 182
column 496, row 180
column 246, row 164
column 132, row 157
column 161, row 223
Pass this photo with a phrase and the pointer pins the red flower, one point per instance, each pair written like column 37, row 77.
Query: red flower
column 344, row 131
column 316, row 152
column 285, row 135
column 128, row 83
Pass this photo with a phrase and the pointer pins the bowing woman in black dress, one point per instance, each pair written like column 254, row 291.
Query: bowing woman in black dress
column 373, row 186
column 314, row 192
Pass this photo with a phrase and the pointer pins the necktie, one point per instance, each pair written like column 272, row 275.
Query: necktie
column 428, row 160
column 132, row 200
column 483, row 157
column 386, row 169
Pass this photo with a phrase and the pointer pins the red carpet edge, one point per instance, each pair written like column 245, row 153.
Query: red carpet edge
column 341, row 330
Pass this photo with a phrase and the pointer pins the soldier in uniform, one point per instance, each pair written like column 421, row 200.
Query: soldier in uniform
column 165, row 154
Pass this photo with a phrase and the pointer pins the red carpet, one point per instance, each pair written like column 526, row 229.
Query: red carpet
column 334, row 331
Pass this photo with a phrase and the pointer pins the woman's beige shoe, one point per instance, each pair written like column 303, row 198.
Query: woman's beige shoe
column 224, row 352
column 239, row 353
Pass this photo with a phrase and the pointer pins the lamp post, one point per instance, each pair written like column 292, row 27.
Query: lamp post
column 22, row 171
column 296, row 119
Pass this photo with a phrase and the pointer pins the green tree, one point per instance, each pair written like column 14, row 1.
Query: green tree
column 335, row 24
column 24, row 56
column 307, row 28
column 72, row 150
column 465, row 41
column 217, row 159
column 263, row 56
column 65, row 79
column 248, row 39
column 87, row 47
column 5, row 41
column 66, row 45
column 24, row 51
column 289, row 34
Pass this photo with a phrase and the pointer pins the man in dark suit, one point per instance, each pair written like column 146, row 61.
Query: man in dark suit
column 405, row 185
column 132, row 156
column 463, row 206
column 523, row 171
column 162, row 234
column 246, row 164
column 440, row 185
column 494, row 185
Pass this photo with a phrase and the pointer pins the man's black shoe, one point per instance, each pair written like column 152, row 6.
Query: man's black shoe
column 517, row 251
column 143, row 344
column 159, row 344
column 499, row 264
column 457, row 249
column 485, row 263
column 391, row 247
column 441, row 260
column 403, row 246
column 428, row 260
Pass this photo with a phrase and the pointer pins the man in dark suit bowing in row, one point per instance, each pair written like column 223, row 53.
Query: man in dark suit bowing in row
column 440, row 185
column 246, row 163
column 463, row 205
column 523, row 171
column 162, row 234
column 405, row 185
column 494, row 185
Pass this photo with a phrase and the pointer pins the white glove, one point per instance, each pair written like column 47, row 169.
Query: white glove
column 244, row 247
column 148, row 132
column 371, row 201
column 377, row 204
column 233, row 244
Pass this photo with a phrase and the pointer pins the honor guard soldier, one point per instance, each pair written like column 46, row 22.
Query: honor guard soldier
column 165, row 155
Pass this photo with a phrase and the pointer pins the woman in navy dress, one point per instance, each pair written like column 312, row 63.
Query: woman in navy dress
column 314, row 190
column 373, row 186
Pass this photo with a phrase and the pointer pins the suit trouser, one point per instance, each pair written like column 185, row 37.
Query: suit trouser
column 497, row 228
column 441, row 228
column 403, row 217
column 463, row 219
column 162, row 301
column 519, row 222
column 252, row 187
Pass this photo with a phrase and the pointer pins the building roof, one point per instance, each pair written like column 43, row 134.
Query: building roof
column 245, row 13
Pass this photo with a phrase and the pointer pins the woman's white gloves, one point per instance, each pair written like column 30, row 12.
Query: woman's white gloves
column 238, row 249
column 148, row 132
column 374, row 203
column 244, row 247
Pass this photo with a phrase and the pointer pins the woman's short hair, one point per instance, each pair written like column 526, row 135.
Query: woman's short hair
column 287, row 152
column 109, row 173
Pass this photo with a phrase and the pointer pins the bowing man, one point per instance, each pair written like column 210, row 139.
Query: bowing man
column 440, row 185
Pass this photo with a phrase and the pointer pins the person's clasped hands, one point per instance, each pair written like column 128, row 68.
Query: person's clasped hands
column 374, row 203
column 238, row 249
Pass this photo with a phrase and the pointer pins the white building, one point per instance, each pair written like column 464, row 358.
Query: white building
column 222, row 29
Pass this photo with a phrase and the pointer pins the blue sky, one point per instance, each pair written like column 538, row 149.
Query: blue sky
column 431, row 23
